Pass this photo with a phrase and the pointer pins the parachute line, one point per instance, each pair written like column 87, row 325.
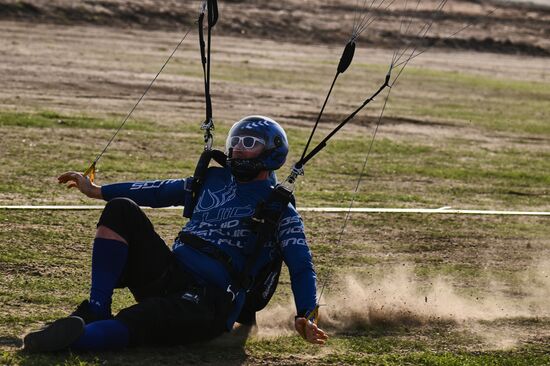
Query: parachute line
column 139, row 100
column 396, row 63
column 367, row 19
column 356, row 190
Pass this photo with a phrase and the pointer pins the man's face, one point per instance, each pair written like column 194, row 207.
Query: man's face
column 246, row 147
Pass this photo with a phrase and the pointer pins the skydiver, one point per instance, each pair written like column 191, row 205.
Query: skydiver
column 185, row 294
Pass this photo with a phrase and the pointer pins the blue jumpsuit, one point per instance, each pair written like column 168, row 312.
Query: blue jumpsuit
column 220, row 217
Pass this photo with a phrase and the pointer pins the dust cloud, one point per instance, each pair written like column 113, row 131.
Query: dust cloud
column 400, row 298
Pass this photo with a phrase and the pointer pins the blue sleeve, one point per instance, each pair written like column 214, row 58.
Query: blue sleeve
column 158, row 193
column 297, row 257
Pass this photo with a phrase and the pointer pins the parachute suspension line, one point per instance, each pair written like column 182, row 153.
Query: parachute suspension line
column 362, row 17
column 360, row 24
column 319, row 115
column 396, row 51
column 367, row 19
column 401, row 22
column 90, row 172
column 395, row 58
column 356, row 14
column 361, row 20
column 365, row 162
column 397, row 54
column 411, row 18
column 422, row 33
column 212, row 7
column 359, row 15
column 345, row 62
column 356, row 190
column 323, row 143
column 394, row 64
column 413, row 55
column 389, row 85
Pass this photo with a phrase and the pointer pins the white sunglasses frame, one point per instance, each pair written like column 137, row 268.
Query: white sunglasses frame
column 241, row 141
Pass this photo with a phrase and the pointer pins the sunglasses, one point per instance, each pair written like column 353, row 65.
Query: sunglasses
column 248, row 142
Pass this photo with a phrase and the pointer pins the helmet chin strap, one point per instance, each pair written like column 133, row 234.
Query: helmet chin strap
column 244, row 175
column 244, row 170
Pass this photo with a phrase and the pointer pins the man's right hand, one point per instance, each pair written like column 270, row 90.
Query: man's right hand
column 78, row 180
column 309, row 331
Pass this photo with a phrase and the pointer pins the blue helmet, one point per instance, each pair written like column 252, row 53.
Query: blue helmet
column 263, row 130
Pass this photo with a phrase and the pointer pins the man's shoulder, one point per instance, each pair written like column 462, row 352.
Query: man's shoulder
column 291, row 216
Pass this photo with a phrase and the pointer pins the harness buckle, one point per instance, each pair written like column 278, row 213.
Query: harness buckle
column 257, row 219
column 296, row 171
column 233, row 294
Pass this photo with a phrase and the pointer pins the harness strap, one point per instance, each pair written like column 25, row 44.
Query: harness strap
column 214, row 252
column 199, row 176
column 265, row 223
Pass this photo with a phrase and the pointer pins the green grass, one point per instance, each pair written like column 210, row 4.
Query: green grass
column 503, row 176
column 482, row 101
column 531, row 357
column 490, row 103
column 48, row 277
column 50, row 119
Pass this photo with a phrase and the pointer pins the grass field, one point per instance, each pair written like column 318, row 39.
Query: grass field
column 423, row 290
column 404, row 288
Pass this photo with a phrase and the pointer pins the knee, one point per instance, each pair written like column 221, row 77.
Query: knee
column 123, row 217
column 121, row 205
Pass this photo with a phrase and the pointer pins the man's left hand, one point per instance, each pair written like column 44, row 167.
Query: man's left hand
column 310, row 331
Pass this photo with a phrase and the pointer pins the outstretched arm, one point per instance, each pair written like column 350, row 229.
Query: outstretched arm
column 159, row 193
column 78, row 180
column 297, row 257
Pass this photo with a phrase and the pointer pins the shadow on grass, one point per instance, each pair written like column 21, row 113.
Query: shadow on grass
column 10, row 342
column 229, row 349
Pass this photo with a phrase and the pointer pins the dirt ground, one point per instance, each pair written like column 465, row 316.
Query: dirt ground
column 58, row 54
column 71, row 69
column 512, row 28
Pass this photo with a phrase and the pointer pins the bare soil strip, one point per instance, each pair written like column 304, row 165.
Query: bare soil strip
column 514, row 28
